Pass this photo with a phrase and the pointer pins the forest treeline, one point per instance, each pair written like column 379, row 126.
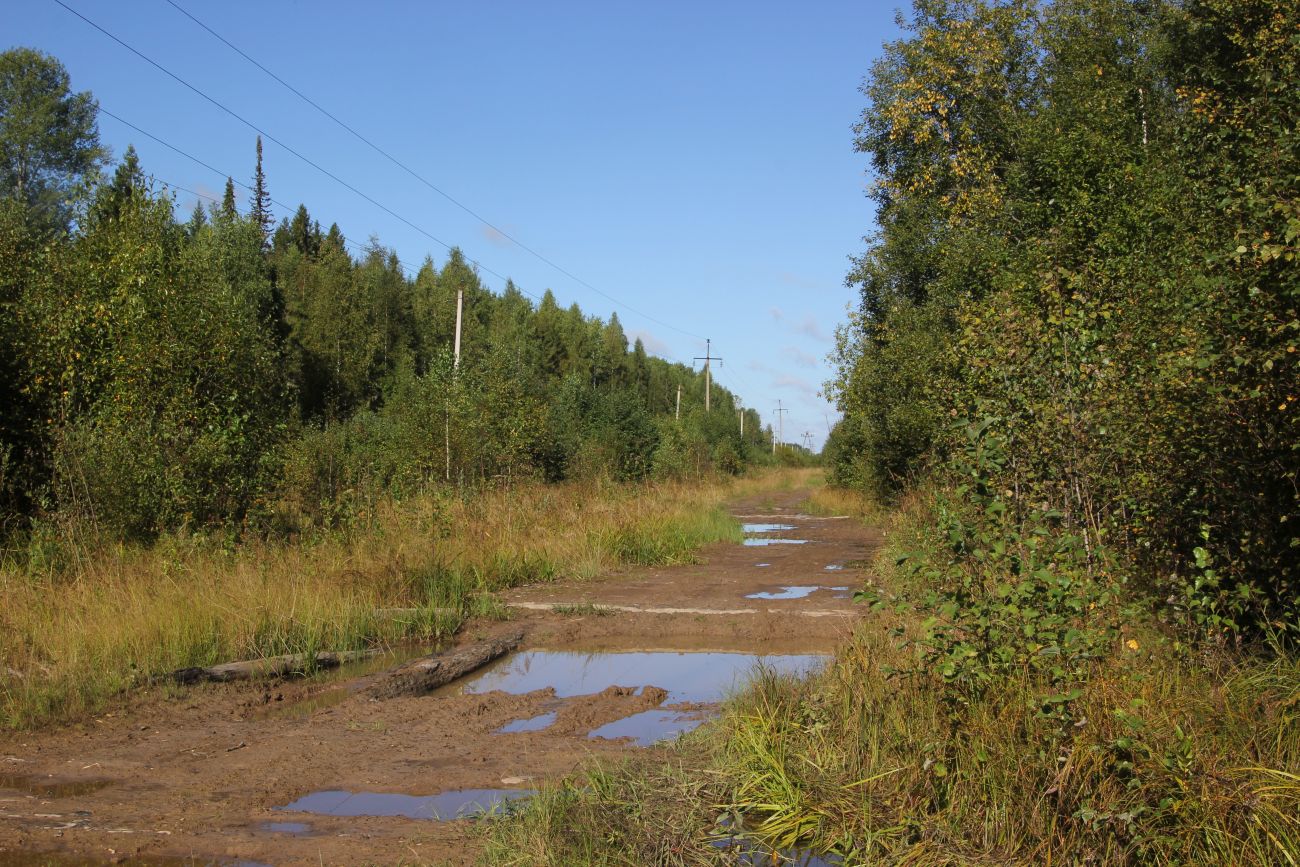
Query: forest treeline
column 227, row 371
column 1078, row 314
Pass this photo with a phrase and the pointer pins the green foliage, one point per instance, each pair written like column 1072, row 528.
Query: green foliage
column 218, row 375
column 1087, row 229
column 49, row 141
column 1015, row 595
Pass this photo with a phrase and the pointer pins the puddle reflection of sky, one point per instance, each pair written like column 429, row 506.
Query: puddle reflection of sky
column 689, row 677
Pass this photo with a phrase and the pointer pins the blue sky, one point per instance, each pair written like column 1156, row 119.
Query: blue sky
column 692, row 160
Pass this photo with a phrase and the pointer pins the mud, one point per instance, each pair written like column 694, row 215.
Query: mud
column 216, row 773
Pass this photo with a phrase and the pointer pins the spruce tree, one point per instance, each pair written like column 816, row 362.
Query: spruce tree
column 261, row 200
column 228, row 200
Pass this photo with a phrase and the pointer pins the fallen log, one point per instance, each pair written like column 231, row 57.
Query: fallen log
column 271, row 666
column 426, row 674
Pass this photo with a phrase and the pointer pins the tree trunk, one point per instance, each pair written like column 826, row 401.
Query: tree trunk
column 426, row 674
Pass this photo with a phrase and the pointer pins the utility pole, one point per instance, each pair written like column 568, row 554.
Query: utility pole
column 460, row 304
column 708, row 376
column 807, row 440
column 455, row 368
column 677, row 416
column 742, row 422
column 781, row 425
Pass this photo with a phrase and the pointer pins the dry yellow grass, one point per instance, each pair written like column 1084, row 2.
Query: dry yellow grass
column 69, row 641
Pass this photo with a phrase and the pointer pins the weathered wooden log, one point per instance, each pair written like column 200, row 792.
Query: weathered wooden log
column 271, row 666
column 426, row 674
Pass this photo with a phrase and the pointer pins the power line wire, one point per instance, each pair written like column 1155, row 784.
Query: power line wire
column 413, row 173
column 287, row 208
column 272, row 138
column 316, row 165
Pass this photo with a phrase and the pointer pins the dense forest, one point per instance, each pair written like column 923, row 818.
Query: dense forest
column 1078, row 315
column 225, row 371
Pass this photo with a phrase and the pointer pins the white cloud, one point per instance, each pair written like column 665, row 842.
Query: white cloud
column 798, row 357
column 808, row 326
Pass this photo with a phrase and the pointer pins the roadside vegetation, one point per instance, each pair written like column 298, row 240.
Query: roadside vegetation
column 1072, row 382
column 415, row 570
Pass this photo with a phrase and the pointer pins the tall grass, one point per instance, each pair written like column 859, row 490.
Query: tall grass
column 71, row 638
column 1171, row 757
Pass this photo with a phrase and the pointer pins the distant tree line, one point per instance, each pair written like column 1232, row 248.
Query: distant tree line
column 227, row 371
column 1080, row 307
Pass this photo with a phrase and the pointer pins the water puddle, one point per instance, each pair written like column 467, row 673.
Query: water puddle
column 339, row 683
column 293, row 829
column 835, row 567
column 687, row 676
column 759, row 542
column 748, row 851
column 798, row 592
column 456, row 804
column 763, row 565
column 50, row 789
column 764, row 528
column 650, row 727
column 532, row 724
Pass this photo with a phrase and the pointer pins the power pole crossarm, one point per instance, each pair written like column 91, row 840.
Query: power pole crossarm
column 707, row 357
column 780, row 425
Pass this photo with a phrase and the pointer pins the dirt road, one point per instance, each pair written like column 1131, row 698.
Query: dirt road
column 315, row 772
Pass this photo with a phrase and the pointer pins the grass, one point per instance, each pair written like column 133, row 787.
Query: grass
column 123, row 615
column 1175, row 758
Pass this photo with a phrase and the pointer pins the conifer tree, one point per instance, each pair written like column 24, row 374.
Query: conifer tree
column 260, row 203
column 228, row 200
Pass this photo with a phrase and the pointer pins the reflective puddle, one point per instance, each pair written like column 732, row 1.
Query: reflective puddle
column 835, row 567
column 687, row 676
column 456, row 804
column 338, row 684
column 650, row 727
column 764, row 528
column 50, row 788
column 759, row 542
column 294, row 829
column 797, row 592
column 764, row 565
column 532, row 724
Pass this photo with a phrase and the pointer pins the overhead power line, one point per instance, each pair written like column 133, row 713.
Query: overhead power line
column 269, row 137
column 287, row 208
column 413, row 173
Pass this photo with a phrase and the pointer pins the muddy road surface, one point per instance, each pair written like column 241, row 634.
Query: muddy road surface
column 317, row 772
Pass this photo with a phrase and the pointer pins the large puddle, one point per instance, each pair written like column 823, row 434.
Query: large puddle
column 760, row 541
column 748, row 529
column 456, row 804
column 688, row 676
column 799, row 591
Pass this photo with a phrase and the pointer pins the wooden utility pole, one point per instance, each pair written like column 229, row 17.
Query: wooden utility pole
column 677, row 416
column 455, row 368
column 781, row 423
column 707, row 357
column 742, row 422
column 460, row 304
